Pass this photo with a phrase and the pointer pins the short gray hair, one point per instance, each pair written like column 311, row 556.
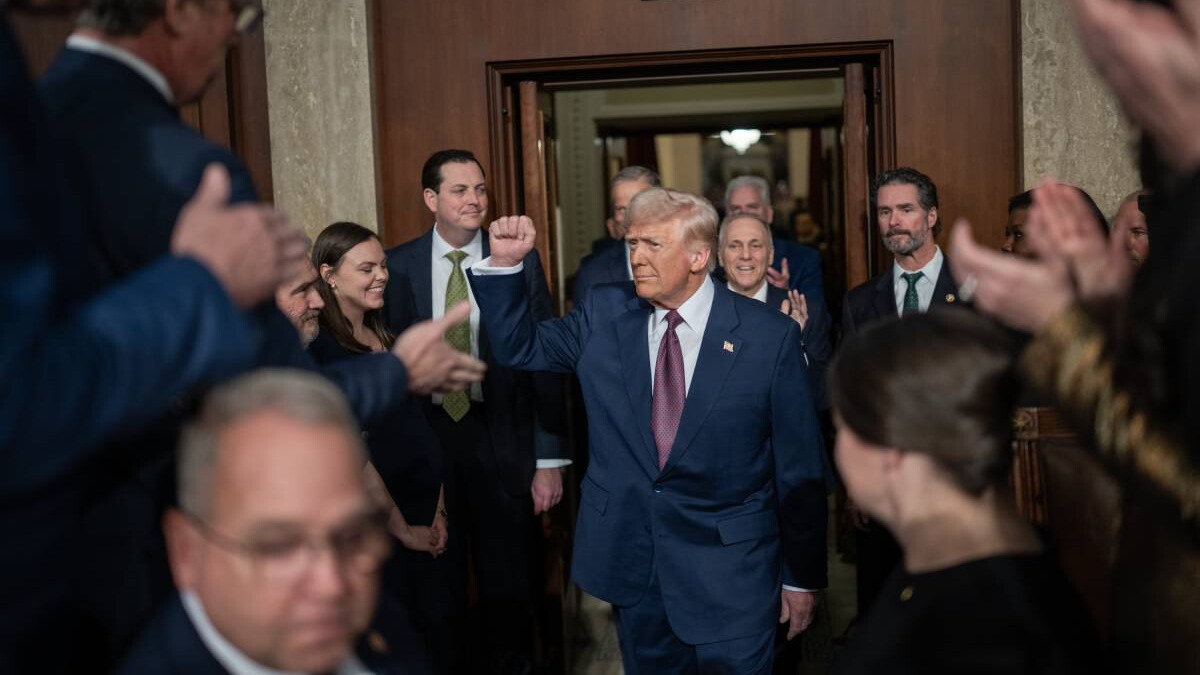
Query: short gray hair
column 634, row 173
column 297, row 395
column 695, row 215
column 120, row 18
column 722, row 237
column 755, row 182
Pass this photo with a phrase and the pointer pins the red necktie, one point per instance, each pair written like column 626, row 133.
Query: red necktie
column 669, row 392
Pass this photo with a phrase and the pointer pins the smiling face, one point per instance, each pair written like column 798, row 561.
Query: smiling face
column 746, row 252
column 359, row 278
column 300, row 301
column 904, row 225
column 460, row 203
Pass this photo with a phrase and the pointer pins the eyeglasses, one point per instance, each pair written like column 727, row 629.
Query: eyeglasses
column 360, row 546
column 247, row 14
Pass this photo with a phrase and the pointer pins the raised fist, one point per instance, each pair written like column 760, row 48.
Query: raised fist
column 511, row 238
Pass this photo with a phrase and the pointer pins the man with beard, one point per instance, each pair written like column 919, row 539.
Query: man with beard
column 905, row 203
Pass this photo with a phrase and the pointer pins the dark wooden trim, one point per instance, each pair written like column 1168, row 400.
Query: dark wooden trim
column 249, row 123
column 533, row 164
column 707, row 65
column 856, row 225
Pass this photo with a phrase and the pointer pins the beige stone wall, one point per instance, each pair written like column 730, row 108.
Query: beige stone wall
column 1073, row 129
column 319, row 91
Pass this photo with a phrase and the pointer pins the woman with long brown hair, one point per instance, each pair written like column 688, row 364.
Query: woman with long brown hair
column 352, row 278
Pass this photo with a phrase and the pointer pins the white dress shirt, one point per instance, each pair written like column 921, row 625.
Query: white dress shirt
column 135, row 63
column 442, row 268
column 232, row 658
column 929, row 276
column 759, row 295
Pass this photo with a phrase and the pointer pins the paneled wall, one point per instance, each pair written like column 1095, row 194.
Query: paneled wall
column 954, row 80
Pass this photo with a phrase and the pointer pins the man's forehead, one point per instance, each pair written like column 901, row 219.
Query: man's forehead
column 746, row 228
column 745, row 194
column 898, row 193
column 461, row 173
column 652, row 228
column 627, row 190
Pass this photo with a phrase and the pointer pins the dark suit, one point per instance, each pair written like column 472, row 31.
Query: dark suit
column 742, row 490
column 134, row 164
column 602, row 266
column 818, row 343
column 76, row 369
column 875, row 300
column 171, row 645
column 489, row 458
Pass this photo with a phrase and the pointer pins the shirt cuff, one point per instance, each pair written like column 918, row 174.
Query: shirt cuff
column 553, row 463
column 484, row 268
column 798, row 589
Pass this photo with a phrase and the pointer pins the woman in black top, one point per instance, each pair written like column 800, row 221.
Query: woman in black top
column 924, row 409
column 352, row 274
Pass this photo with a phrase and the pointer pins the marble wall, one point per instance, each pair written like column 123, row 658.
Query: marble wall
column 1072, row 128
column 323, row 159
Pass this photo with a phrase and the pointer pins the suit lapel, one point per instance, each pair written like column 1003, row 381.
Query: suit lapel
column 632, row 328
column 422, row 275
column 944, row 291
column 885, row 296
column 718, row 351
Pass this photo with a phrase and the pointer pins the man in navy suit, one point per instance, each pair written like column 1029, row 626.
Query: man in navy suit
column 113, row 95
column 794, row 265
column 276, row 544
column 745, row 252
column 610, row 262
column 704, row 499
column 503, row 440
column 78, row 366
column 905, row 204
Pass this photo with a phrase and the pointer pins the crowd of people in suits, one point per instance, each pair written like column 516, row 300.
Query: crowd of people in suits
column 231, row 452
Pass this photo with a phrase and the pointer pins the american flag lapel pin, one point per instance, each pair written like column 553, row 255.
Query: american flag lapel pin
column 728, row 346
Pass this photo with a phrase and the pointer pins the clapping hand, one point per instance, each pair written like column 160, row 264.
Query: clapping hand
column 796, row 306
column 511, row 239
column 779, row 278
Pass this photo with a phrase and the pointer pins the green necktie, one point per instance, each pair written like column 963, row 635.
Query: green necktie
column 912, row 303
column 457, row 404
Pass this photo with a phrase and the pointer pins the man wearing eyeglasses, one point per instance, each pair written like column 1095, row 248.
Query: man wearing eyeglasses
column 114, row 94
column 277, row 541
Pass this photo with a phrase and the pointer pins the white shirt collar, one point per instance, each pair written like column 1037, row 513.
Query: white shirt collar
column 694, row 310
column 232, row 658
column 759, row 295
column 473, row 249
column 134, row 62
column 931, row 270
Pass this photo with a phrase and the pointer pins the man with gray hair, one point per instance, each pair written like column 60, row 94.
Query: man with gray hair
column 270, row 475
column 610, row 262
column 795, row 265
column 705, row 488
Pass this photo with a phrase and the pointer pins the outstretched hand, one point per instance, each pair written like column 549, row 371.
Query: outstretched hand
column 1025, row 294
column 779, row 278
column 433, row 365
column 795, row 306
column 511, row 238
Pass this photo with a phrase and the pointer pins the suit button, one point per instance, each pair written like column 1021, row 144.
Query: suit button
column 657, row 488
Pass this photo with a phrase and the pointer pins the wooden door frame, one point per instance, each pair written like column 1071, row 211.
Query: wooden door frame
column 503, row 78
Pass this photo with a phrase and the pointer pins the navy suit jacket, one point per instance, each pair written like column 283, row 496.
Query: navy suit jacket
column 171, row 645
column 875, row 299
column 743, row 489
column 134, row 164
column 604, row 266
column 76, row 369
column 526, row 414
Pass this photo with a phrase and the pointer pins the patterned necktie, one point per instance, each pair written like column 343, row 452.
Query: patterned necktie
column 669, row 392
column 457, row 404
column 912, row 303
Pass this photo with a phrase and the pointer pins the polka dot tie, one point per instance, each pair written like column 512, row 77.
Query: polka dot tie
column 669, row 393
column 912, row 301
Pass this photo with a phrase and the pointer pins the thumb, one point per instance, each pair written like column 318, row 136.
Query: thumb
column 784, row 611
column 783, row 266
column 454, row 316
column 214, row 187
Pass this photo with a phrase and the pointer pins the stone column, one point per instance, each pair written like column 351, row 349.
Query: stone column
column 1072, row 127
column 323, row 157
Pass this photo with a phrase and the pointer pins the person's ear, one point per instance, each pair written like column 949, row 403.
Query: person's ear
column 183, row 548
column 699, row 259
column 431, row 199
column 327, row 273
column 933, row 217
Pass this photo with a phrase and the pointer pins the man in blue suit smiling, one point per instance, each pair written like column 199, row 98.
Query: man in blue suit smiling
column 704, row 502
